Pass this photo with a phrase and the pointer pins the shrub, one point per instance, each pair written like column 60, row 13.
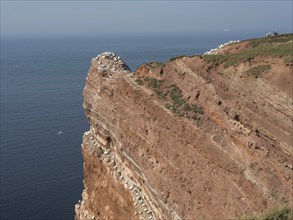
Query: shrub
column 186, row 107
column 175, row 92
column 194, row 108
column 154, row 83
column 168, row 105
column 200, row 110
column 177, row 104
column 139, row 82
column 258, row 70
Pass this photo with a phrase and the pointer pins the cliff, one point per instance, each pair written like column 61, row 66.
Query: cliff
column 199, row 137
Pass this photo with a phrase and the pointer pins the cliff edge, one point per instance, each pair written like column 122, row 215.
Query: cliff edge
column 198, row 137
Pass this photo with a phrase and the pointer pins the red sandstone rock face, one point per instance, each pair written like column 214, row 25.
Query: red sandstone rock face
column 226, row 151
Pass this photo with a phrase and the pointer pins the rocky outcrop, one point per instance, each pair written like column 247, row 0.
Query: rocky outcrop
column 188, row 139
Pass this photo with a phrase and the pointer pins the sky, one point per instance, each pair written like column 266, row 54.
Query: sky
column 75, row 18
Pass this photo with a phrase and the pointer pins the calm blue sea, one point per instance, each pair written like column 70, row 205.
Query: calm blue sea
column 41, row 94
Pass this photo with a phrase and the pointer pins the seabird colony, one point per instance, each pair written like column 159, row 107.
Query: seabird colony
column 110, row 61
column 110, row 55
column 215, row 50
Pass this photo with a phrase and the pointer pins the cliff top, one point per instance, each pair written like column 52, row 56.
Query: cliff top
column 108, row 63
column 252, row 58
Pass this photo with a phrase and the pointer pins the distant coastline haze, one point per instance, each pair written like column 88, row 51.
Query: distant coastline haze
column 102, row 18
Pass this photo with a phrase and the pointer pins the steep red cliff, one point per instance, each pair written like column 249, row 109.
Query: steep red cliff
column 201, row 137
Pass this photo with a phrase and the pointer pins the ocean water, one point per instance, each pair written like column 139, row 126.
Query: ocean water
column 41, row 94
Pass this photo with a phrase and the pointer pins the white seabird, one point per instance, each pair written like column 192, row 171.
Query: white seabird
column 60, row 132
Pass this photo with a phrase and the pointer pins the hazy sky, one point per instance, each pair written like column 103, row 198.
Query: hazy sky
column 142, row 17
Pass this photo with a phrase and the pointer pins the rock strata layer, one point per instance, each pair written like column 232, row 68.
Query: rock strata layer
column 187, row 139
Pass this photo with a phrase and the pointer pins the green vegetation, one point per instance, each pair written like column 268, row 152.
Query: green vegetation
column 280, row 46
column 155, row 84
column 179, row 105
column 139, row 82
column 284, row 213
column 159, row 64
column 258, row 70
column 289, row 59
column 271, row 40
column 174, row 98
column 185, row 56
column 175, row 94
column 215, row 58
column 175, row 58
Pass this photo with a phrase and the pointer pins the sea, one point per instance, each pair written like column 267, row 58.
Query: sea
column 42, row 120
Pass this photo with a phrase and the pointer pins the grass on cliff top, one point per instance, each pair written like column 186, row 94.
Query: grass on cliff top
column 159, row 64
column 284, row 213
column 269, row 40
column 280, row 46
column 156, row 64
